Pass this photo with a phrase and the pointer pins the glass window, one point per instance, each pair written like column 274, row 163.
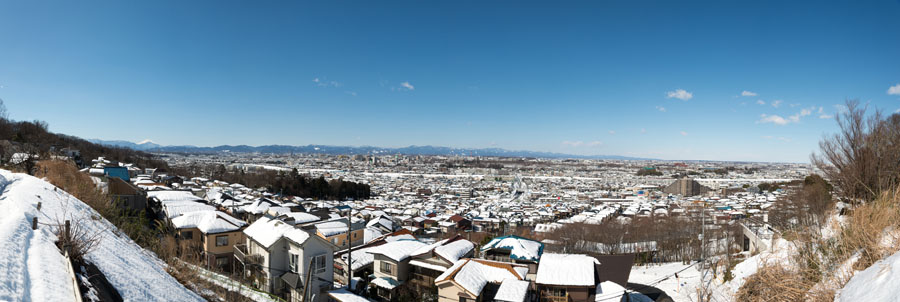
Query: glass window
column 294, row 260
column 387, row 267
column 222, row 240
column 319, row 264
column 187, row 235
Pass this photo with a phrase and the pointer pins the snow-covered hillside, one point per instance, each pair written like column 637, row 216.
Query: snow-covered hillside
column 879, row 282
column 31, row 267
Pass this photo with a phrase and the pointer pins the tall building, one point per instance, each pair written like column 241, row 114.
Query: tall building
column 686, row 187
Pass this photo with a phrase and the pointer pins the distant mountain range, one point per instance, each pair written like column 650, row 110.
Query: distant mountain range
column 150, row 146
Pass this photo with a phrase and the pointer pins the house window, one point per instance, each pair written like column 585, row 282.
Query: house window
column 221, row 262
column 222, row 240
column 554, row 294
column 319, row 264
column 187, row 235
column 334, row 241
column 387, row 267
column 294, row 259
column 384, row 293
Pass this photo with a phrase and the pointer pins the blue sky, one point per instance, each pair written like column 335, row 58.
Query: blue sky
column 573, row 77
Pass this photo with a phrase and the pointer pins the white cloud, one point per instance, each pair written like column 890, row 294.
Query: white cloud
column 680, row 94
column 353, row 93
column 325, row 83
column 661, row 108
column 776, row 103
column 683, row 133
column 774, row 119
column 748, row 93
column 573, row 144
column 407, row 86
column 612, row 132
column 761, row 102
column 894, row 90
column 778, row 120
column 594, row 143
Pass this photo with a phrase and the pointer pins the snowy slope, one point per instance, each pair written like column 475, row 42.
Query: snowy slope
column 31, row 267
column 879, row 282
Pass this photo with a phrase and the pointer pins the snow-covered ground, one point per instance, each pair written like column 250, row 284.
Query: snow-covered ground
column 662, row 276
column 685, row 286
column 879, row 282
column 32, row 268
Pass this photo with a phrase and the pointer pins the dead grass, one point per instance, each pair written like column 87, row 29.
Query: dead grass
column 773, row 283
column 821, row 266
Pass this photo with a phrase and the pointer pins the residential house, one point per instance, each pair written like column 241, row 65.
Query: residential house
column 126, row 195
column 335, row 231
column 362, row 260
column 461, row 222
column 432, row 260
column 287, row 261
column 567, row 278
column 515, row 249
column 214, row 233
column 477, row 280
column 391, row 264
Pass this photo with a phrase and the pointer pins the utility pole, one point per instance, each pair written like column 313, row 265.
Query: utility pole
column 350, row 250
column 702, row 246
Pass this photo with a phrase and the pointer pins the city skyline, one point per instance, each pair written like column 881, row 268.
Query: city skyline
column 699, row 81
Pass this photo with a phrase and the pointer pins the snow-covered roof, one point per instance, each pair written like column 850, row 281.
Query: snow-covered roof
column 385, row 282
column 427, row 265
column 370, row 234
column 300, row 217
column 566, row 269
column 361, row 258
column 512, row 290
column 178, row 208
column 474, row 274
column 450, row 249
column 267, row 231
column 331, row 228
column 398, row 250
column 343, row 295
column 520, row 248
column 170, row 196
column 208, row 222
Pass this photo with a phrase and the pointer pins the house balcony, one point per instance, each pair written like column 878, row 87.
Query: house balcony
column 241, row 254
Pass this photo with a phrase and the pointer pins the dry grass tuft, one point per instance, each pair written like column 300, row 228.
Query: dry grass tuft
column 774, row 283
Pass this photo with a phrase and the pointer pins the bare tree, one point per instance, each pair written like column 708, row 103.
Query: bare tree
column 863, row 159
